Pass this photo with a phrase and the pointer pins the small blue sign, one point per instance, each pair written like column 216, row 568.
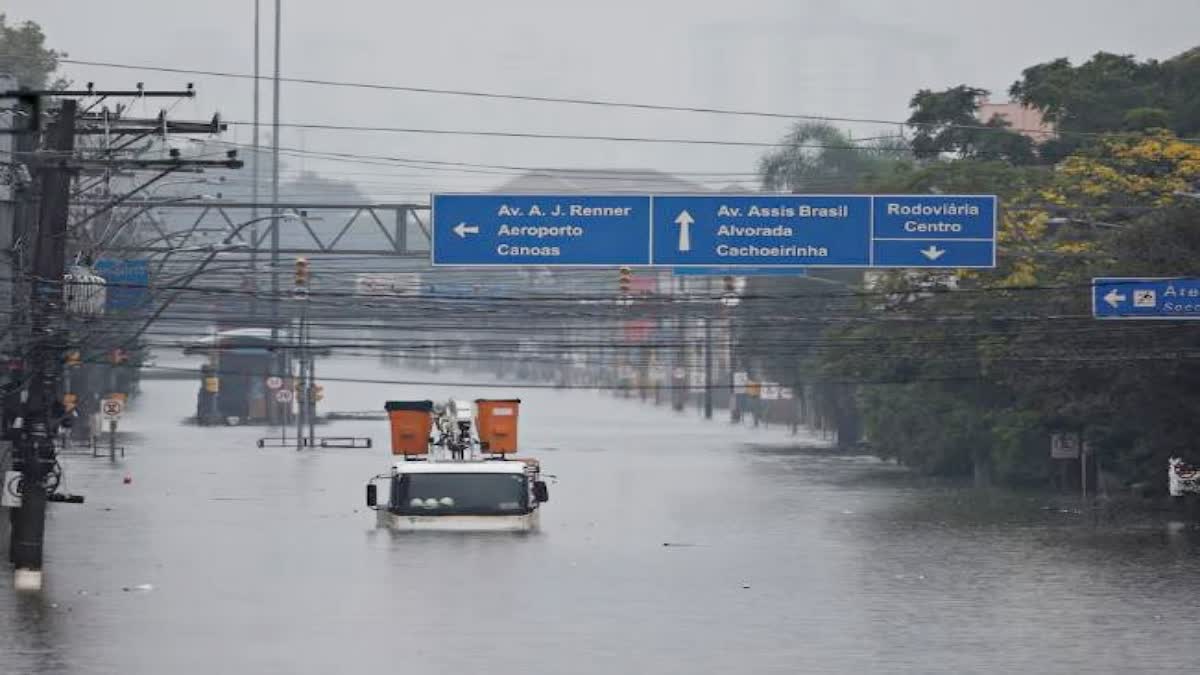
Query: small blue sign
column 571, row 230
column 740, row 272
column 127, row 283
column 716, row 230
column 1146, row 298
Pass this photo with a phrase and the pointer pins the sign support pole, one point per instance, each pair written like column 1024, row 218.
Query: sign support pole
column 708, row 369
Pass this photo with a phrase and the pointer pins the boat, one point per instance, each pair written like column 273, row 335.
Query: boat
column 455, row 469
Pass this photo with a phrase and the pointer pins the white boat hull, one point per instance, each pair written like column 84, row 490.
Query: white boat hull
column 406, row 523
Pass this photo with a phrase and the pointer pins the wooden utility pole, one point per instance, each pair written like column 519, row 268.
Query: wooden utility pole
column 35, row 452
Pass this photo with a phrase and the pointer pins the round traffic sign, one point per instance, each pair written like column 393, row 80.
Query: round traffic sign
column 284, row 396
column 274, row 382
column 112, row 407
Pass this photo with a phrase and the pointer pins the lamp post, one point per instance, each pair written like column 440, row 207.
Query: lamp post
column 225, row 245
column 108, row 237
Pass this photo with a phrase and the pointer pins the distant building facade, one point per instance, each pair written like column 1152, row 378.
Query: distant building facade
column 1023, row 119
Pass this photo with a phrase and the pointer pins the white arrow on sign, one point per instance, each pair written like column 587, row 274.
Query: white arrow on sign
column 933, row 252
column 463, row 229
column 1115, row 298
column 684, row 220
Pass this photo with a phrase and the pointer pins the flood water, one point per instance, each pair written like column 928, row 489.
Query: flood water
column 670, row 545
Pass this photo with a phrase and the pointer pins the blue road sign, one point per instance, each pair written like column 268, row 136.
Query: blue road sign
column 740, row 272
column 933, row 231
column 724, row 230
column 1146, row 298
column 715, row 230
column 127, row 282
column 574, row 230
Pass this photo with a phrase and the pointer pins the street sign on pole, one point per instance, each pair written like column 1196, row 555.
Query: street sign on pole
column 274, row 382
column 1064, row 446
column 715, row 230
column 740, row 379
column 1146, row 298
column 112, row 408
column 284, row 395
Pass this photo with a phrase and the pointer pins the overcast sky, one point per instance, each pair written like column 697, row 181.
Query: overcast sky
column 849, row 58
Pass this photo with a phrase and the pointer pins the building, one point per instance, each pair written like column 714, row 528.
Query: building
column 1023, row 119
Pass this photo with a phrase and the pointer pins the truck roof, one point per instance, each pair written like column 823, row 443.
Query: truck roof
column 460, row 467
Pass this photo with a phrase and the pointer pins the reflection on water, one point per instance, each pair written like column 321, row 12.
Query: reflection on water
column 670, row 545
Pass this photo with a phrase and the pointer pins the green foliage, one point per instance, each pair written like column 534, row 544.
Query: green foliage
column 819, row 157
column 974, row 380
column 947, row 122
column 23, row 54
column 972, row 377
column 1146, row 119
column 1113, row 92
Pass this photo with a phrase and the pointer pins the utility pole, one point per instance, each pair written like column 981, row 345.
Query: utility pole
column 280, row 354
column 300, row 293
column 708, row 369
column 310, row 396
column 299, row 388
column 254, row 169
column 35, row 450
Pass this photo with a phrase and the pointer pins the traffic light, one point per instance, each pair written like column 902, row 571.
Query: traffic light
column 301, row 272
column 626, row 280
column 318, row 393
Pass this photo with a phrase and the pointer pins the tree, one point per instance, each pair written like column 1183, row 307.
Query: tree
column 1181, row 83
column 819, row 157
column 978, row 379
column 948, row 122
column 1112, row 92
column 23, row 54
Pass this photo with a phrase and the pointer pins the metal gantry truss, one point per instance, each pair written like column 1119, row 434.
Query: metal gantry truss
column 399, row 230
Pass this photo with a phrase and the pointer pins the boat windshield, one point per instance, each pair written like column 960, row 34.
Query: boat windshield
column 442, row 494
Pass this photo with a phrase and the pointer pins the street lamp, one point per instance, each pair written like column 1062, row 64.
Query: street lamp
column 219, row 180
column 225, row 245
column 108, row 237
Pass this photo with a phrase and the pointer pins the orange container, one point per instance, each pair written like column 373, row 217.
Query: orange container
column 497, row 424
column 412, row 421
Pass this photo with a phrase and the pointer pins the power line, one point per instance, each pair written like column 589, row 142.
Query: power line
column 561, row 137
column 580, row 101
column 507, row 169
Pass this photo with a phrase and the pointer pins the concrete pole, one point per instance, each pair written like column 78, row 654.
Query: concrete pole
column 35, row 448
column 254, row 164
column 275, row 197
column 708, row 369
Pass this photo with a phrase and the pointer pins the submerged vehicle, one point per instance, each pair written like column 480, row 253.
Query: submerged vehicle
column 235, row 381
column 456, row 469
